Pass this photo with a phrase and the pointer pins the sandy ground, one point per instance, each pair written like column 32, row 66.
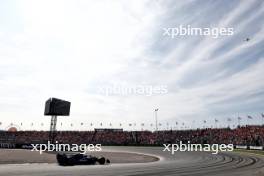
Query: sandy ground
column 19, row 156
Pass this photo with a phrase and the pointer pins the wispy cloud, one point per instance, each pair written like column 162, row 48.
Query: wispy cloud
column 71, row 49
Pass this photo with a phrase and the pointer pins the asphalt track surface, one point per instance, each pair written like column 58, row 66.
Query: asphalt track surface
column 181, row 163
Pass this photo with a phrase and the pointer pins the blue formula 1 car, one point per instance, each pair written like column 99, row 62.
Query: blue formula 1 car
column 80, row 159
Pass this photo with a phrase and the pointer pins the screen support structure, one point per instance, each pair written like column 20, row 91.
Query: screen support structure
column 52, row 133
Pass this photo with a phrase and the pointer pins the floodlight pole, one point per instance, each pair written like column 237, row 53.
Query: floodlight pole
column 52, row 133
column 156, row 118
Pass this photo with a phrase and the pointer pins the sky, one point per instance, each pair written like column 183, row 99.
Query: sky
column 112, row 61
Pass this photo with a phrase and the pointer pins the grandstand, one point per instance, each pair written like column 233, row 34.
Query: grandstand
column 246, row 135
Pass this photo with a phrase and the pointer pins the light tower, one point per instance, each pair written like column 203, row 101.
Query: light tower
column 156, row 118
column 55, row 107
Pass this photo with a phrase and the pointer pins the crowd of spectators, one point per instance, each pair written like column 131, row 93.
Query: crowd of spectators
column 247, row 135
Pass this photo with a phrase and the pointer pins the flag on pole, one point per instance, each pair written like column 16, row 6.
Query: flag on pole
column 239, row 118
column 216, row 120
column 156, row 109
column 262, row 115
column 229, row 119
column 204, row 121
column 249, row 117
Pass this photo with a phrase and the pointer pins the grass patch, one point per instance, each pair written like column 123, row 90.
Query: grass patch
column 259, row 152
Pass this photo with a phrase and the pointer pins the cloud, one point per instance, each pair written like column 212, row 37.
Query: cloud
column 71, row 50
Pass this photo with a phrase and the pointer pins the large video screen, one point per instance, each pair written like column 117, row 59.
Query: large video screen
column 58, row 107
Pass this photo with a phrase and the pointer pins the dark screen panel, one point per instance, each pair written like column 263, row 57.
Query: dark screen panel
column 55, row 106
